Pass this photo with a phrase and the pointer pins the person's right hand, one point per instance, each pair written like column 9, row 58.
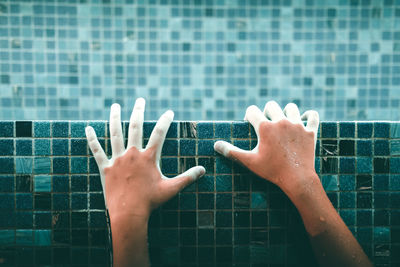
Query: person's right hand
column 284, row 154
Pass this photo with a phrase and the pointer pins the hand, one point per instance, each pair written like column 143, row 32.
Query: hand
column 132, row 181
column 284, row 154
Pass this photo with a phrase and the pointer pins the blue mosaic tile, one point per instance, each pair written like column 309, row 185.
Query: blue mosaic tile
column 42, row 237
column 364, row 129
column 60, row 147
column 381, row 129
column 23, row 165
column 7, row 237
column 78, row 128
column 347, row 129
column 23, row 129
column 169, row 165
column 42, row 183
column 395, row 130
column 381, row 147
column 6, row 129
column 79, row 165
column 23, row 147
column 187, row 147
column 42, row 165
column 364, row 165
column 364, row 148
column 223, row 166
column 330, row 182
column 205, row 148
column 42, row 147
column 205, row 130
column 170, row 148
column 173, row 130
column 240, row 130
column 6, row 147
column 41, row 128
column 329, row 130
column 347, row 182
column 78, row 147
column 6, row 183
column 60, row 129
column 395, row 182
column 23, row 201
column 222, row 130
column 24, row 237
column 394, row 147
column 60, row 164
column 381, row 182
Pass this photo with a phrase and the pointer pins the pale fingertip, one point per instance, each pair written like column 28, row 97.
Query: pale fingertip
column 140, row 102
column 221, row 147
column 169, row 114
column 198, row 172
column 115, row 107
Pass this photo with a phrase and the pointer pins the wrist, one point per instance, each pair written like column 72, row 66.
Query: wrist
column 301, row 186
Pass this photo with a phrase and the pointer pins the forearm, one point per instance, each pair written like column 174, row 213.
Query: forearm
column 129, row 238
column 332, row 241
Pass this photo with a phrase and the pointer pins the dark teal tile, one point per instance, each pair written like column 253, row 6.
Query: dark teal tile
column 170, row 148
column 42, row 237
column 381, row 182
column 347, row 165
column 364, row 165
column 222, row 130
column 7, row 237
column 169, row 165
column 6, row 183
column 23, row 201
column 42, row 147
column 79, row 201
column 382, row 234
column 347, row 182
column 187, row 147
column 7, row 201
column 347, row 129
column 364, row 129
column 173, row 130
column 79, row 147
column 329, row 130
column 23, row 129
column 347, row 200
column 205, row 130
column 364, row 148
column 6, row 147
column 381, row 129
column 206, row 183
column 381, row 165
column 24, row 237
column 223, row 165
column 79, row 165
column 60, row 165
column 60, row 147
column 394, row 182
column 330, row 182
column 60, row 129
column 223, row 183
column 240, row 130
column 258, row 200
column 23, row 147
column 381, row 147
column 6, row 129
column 79, row 183
column 205, row 148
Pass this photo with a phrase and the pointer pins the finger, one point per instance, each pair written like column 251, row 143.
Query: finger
column 233, row 152
column 160, row 131
column 255, row 117
column 98, row 152
column 273, row 111
column 292, row 113
column 312, row 118
column 117, row 141
column 135, row 132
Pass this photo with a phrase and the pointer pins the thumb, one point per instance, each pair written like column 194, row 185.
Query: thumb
column 230, row 151
column 179, row 182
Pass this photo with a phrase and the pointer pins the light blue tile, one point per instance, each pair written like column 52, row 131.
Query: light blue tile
column 23, row 165
column 42, row 165
column 258, row 201
column 42, row 183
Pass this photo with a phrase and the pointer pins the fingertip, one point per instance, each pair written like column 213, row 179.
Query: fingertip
column 89, row 131
column 140, row 102
column 202, row 171
column 221, row 147
column 115, row 106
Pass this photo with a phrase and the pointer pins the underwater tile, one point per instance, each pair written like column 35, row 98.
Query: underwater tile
column 6, row 129
column 24, row 237
column 330, row 182
column 60, row 129
column 41, row 128
column 78, row 128
column 347, row 129
column 222, row 130
column 42, row 183
column 60, row 165
column 381, row 129
column 364, row 148
column 42, row 165
column 187, row 147
column 42, row 147
column 79, row 147
column 381, row 147
column 381, row 182
column 205, row 130
column 258, row 200
column 7, row 201
column 223, row 183
column 329, row 130
column 347, row 182
column 79, row 165
column 22, row 165
column 394, row 182
column 346, row 148
column 6, row 183
column 347, row 200
column 23, row 129
column 60, row 147
column 240, row 130
column 42, row 237
column 205, row 148
column 223, row 165
column 170, row 148
column 381, row 165
column 206, row 184
column 7, row 237
column 23, row 201
column 23, row 147
column 364, row 129
column 382, row 234
column 6, row 147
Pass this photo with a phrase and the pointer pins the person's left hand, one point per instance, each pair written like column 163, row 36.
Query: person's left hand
column 132, row 180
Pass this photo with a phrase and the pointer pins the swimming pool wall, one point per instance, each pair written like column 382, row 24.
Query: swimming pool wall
column 52, row 207
column 206, row 60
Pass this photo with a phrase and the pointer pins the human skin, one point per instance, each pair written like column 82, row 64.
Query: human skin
column 133, row 184
column 285, row 156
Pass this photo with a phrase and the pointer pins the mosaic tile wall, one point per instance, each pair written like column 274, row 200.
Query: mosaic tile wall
column 52, row 210
column 206, row 60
